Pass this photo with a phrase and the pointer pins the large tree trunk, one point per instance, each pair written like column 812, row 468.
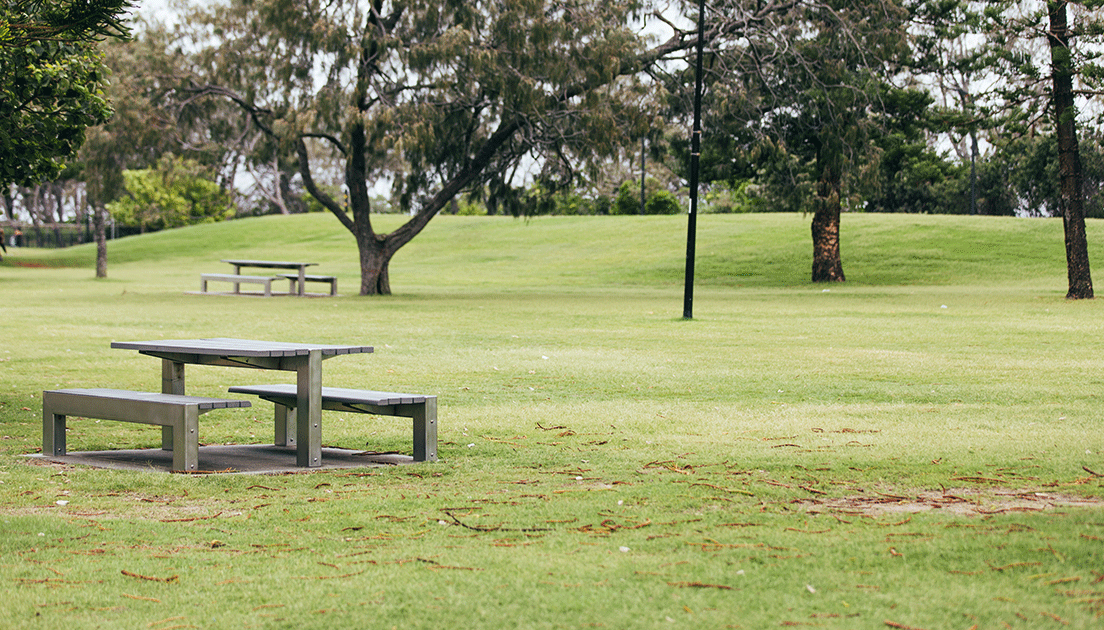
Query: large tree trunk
column 374, row 260
column 827, row 265
column 1069, row 159
column 99, row 225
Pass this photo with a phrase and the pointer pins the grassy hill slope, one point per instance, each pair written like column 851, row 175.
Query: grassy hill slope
column 758, row 250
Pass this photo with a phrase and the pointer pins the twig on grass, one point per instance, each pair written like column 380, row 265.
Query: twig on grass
column 900, row 626
column 171, row 578
column 144, row 599
column 699, row 585
column 434, row 565
column 328, row 577
column 495, row 528
column 193, row 518
column 976, row 479
column 1055, row 617
column 1015, row 565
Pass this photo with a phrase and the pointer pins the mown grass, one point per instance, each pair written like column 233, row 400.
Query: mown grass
column 604, row 463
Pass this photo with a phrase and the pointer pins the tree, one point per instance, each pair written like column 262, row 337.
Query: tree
column 1041, row 64
column 1069, row 158
column 27, row 22
column 135, row 136
column 798, row 102
column 52, row 81
column 452, row 96
column 177, row 192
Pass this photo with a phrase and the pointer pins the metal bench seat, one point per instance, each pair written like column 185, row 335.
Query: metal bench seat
column 238, row 281
column 293, row 280
column 178, row 415
column 422, row 409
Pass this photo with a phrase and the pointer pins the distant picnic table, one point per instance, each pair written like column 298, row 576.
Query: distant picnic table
column 275, row 264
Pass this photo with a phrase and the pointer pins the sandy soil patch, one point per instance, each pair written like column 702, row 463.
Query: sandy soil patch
column 958, row 501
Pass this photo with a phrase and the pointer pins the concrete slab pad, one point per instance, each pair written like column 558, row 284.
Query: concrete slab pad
column 257, row 459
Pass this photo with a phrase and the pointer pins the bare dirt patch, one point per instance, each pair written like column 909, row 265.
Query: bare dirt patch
column 955, row 501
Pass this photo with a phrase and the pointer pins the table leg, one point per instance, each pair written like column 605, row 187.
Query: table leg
column 302, row 279
column 172, row 382
column 308, row 411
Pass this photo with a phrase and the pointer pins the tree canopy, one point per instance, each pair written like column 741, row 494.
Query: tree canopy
column 51, row 82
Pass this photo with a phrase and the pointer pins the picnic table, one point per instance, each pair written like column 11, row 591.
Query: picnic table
column 304, row 359
column 273, row 264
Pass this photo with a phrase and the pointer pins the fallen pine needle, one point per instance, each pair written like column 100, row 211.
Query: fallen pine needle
column 900, row 626
column 144, row 599
column 171, row 578
column 327, row 577
column 188, row 520
column 699, row 585
column 1055, row 617
column 166, row 620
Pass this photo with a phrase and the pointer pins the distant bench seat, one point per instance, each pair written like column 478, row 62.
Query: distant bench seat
column 237, row 280
column 422, row 409
column 293, row 279
column 178, row 415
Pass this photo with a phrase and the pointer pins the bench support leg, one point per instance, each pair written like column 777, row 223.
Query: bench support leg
column 185, row 442
column 308, row 411
column 172, row 382
column 285, row 426
column 53, row 432
column 425, row 430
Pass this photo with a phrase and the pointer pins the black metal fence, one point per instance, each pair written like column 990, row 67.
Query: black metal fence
column 55, row 235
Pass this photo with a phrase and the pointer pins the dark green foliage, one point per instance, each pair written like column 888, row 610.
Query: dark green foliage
column 50, row 92
column 662, row 202
column 656, row 199
column 175, row 193
column 51, row 82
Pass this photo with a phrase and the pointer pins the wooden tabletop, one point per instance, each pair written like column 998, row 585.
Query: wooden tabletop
column 238, row 347
column 275, row 264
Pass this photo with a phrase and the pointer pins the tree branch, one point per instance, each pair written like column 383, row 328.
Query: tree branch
column 315, row 191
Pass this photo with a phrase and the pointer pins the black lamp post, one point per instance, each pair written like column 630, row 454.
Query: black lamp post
column 695, row 158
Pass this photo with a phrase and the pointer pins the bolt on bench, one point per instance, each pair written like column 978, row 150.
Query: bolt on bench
column 177, row 414
column 422, row 409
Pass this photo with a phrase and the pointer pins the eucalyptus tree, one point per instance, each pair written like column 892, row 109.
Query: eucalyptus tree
column 136, row 135
column 431, row 97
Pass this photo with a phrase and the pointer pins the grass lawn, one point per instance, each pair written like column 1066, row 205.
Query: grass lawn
column 920, row 447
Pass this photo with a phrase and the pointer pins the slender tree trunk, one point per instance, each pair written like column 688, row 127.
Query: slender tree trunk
column 99, row 225
column 1069, row 159
column 827, row 265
